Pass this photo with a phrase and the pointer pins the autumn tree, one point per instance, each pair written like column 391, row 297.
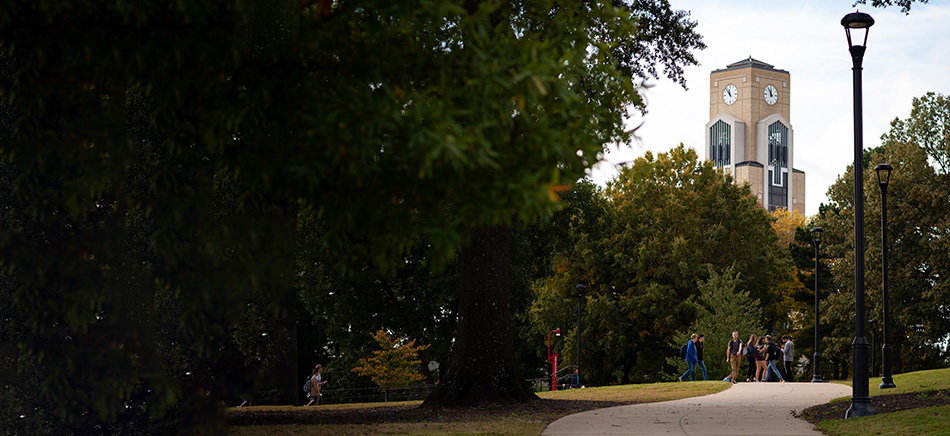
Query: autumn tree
column 671, row 220
column 785, row 222
column 395, row 364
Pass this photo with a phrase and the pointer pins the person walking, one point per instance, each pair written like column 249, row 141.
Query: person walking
column 750, row 351
column 691, row 358
column 772, row 354
column 700, row 343
column 316, row 385
column 734, row 356
column 788, row 351
column 761, row 365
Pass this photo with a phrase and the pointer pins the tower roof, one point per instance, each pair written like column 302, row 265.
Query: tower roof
column 750, row 62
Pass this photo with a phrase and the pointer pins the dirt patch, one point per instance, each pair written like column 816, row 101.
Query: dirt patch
column 880, row 404
column 543, row 410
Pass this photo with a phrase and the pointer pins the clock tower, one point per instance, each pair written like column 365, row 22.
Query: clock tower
column 750, row 134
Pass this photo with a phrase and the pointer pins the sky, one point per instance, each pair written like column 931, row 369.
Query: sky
column 907, row 56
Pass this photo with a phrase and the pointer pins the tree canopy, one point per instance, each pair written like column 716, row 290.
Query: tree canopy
column 665, row 225
column 918, row 204
column 159, row 155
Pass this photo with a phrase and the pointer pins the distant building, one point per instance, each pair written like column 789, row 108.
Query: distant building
column 750, row 134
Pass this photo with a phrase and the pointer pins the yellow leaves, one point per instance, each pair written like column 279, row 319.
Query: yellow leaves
column 394, row 364
column 785, row 223
column 562, row 265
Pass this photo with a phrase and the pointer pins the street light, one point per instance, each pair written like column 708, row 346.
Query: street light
column 553, row 358
column 859, row 24
column 816, row 358
column 580, row 297
column 873, row 327
column 883, row 177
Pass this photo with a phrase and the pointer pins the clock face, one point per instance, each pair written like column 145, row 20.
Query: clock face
column 730, row 94
column 771, row 94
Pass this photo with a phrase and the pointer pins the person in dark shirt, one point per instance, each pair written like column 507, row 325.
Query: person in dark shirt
column 699, row 355
column 691, row 358
column 734, row 356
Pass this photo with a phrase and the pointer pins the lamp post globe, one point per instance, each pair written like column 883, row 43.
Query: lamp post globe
column 883, row 171
column 816, row 358
column 857, row 25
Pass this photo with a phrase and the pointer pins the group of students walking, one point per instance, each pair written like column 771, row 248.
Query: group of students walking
column 761, row 353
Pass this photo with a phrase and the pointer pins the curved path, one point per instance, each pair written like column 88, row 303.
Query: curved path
column 743, row 409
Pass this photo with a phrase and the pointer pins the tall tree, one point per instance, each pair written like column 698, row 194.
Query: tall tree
column 720, row 310
column 671, row 219
column 123, row 123
column 918, row 206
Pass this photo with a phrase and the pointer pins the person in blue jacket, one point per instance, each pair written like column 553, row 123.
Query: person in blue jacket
column 691, row 358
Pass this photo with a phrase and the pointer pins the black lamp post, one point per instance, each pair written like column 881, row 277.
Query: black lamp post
column 816, row 358
column 873, row 327
column 859, row 24
column 580, row 297
column 883, row 178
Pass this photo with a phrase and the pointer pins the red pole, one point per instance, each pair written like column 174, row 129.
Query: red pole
column 553, row 360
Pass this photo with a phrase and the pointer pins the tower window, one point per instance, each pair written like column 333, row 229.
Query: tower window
column 720, row 144
column 778, row 151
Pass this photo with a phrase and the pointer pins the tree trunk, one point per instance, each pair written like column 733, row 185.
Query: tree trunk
column 283, row 254
column 482, row 366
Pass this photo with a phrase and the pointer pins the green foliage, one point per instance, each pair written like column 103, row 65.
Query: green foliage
column 904, row 4
column 411, row 300
column 803, row 302
column 918, row 204
column 666, row 223
column 929, row 127
column 155, row 157
column 720, row 310
column 395, row 364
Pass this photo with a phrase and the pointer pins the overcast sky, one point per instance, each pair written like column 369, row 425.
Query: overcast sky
column 907, row 56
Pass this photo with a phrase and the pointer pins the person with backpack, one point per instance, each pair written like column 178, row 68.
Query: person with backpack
column 774, row 353
column 316, row 384
column 690, row 355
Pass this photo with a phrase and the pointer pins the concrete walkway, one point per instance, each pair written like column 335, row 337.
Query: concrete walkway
column 743, row 409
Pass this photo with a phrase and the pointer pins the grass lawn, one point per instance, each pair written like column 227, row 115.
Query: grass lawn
column 910, row 382
column 645, row 393
column 930, row 421
column 925, row 421
column 502, row 423
column 467, row 428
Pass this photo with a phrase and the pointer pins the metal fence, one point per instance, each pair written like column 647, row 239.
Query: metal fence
column 403, row 393
column 376, row 394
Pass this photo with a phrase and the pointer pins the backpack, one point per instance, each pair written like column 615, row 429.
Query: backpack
column 307, row 386
column 775, row 353
column 683, row 351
